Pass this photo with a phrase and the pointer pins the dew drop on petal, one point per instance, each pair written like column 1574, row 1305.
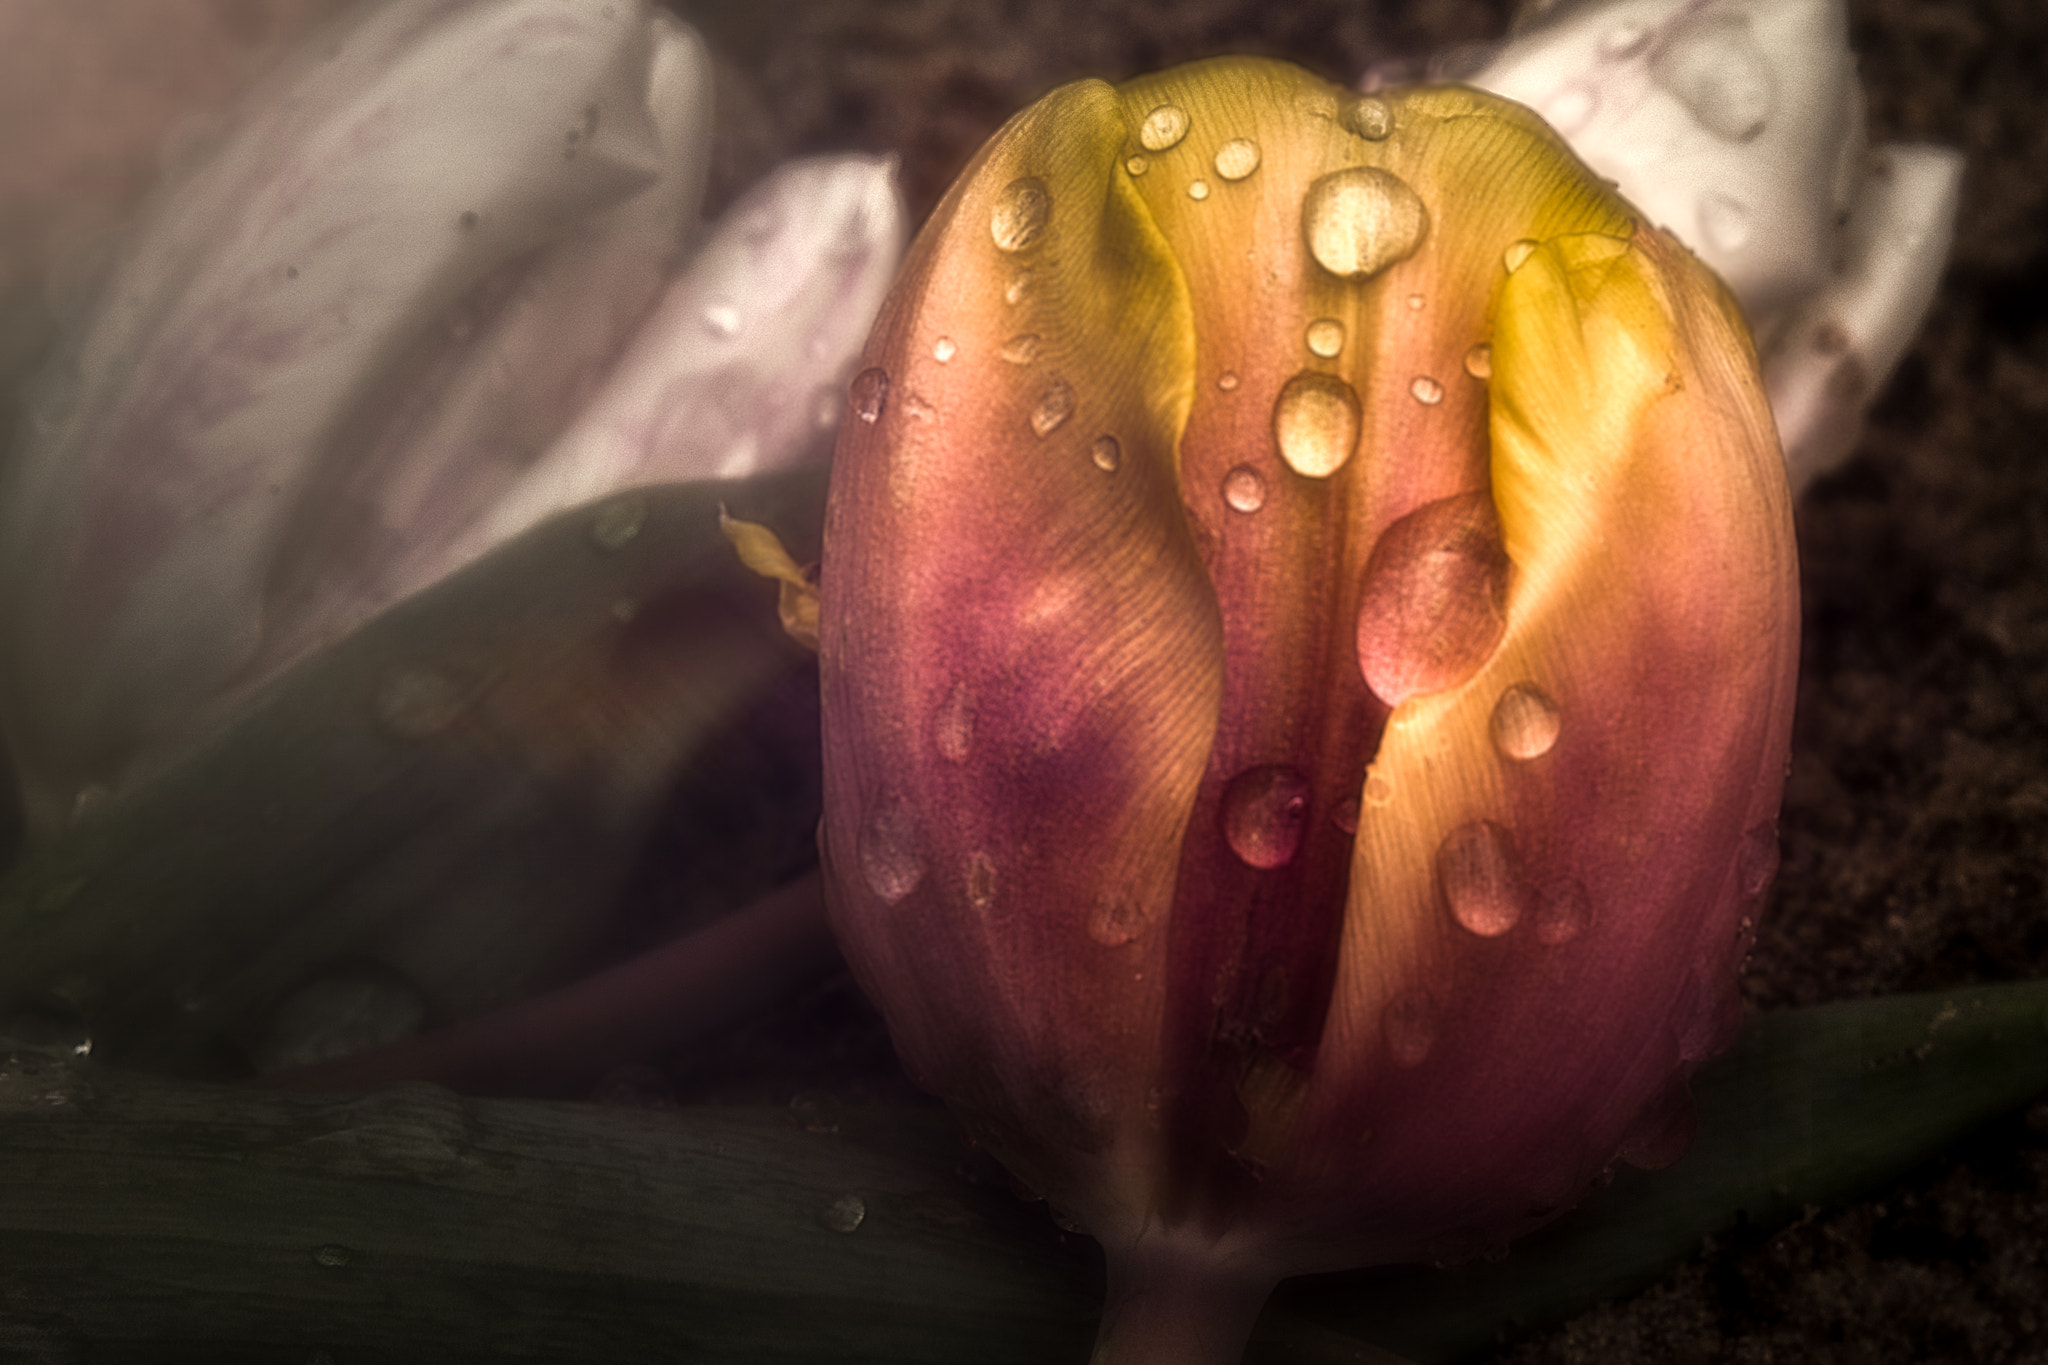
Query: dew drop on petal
column 1479, row 361
column 944, row 350
column 1481, row 879
column 1426, row 390
column 1021, row 213
column 954, row 730
column 418, row 703
column 1136, row 165
column 1316, row 423
column 1326, row 338
column 1021, row 349
column 869, row 393
column 1714, row 66
column 1415, row 303
column 1408, row 1023
column 1368, row 117
column 1379, row 789
column 1525, row 723
column 1019, row 286
column 722, row 320
column 1237, row 158
column 1053, row 408
column 617, row 521
column 1164, row 127
column 1517, row 253
column 1227, row 381
column 1562, row 913
column 1724, row 222
column 1360, row 220
column 844, row 1214
column 1434, row 602
column 1265, row 811
column 981, row 882
column 1108, row 454
column 1757, row 863
column 1199, row 190
column 891, row 853
column 1244, row 488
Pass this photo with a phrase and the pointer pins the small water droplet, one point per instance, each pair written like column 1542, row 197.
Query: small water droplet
column 1227, row 381
column 870, row 394
column 891, row 853
column 981, row 882
column 1116, row 921
column 1757, row 863
column 954, row 731
column 1021, row 349
column 617, row 521
column 1136, row 165
column 1415, row 303
column 1326, row 338
column 1570, row 109
column 1517, row 253
column 1164, row 127
column 1345, row 816
column 1198, row 190
column 1265, row 810
column 1369, row 118
column 1360, row 220
column 1107, row 453
column 1624, row 40
column 844, row 1214
column 1714, row 66
column 1525, row 723
column 1316, row 422
column 1019, row 286
column 1562, row 913
column 1479, row 361
column 944, row 350
column 1724, row 222
column 1427, row 390
column 722, row 320
column 333, row 1255
column 1434, row 601
column 1481, row 878
column 917, row 409
column 1244, row 488
column 418, row 703
column 1379, row 789
column 1408, row 1023
column 1053, row 408
column 1021, row 212
column 1237, row 158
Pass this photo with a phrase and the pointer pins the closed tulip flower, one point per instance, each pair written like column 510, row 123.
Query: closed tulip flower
column 1309, row 629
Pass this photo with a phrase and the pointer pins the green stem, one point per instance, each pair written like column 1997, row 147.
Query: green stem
column 1172, row 1304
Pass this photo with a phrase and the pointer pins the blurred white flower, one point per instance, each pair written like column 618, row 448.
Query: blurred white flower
column 1738, row 125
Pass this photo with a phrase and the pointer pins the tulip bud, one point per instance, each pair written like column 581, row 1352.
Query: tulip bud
column 1308, row 627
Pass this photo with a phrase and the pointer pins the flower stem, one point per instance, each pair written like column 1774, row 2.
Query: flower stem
column 1175, row 1305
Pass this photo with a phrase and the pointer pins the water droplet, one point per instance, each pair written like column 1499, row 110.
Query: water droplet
column 1054, row 406
column 333, row 1255
column 1517, row 253
column 1107, row 453
column 1434, row 602
column 722, row 320
column 1021, row 349
column 1265, row 810
column 1757, row 863
column 1227, row 381
column 1345, row 816
column 1116, row 921
column 1624, row 40
column 1021, row 213
column 1136, row 165
column 844, row 1214
column 1360, row 220
column 1369, row 118
column 1237, row 158
column 870, row 394
column 944, row 350
column 954, row 732
column 1408, row 1023
column 917, row 409
column 1427, row 390
column 1379, row 789
column 1479, row 361
column 1570, row 109
column 981, row 882
column 891, row 853
column 1244, row 488
column 1019, row 286
column 1562, row 913
column 1164, row 127
column 1525, row 723
column 1724, row 222
column 1326, row 338
column 1715, row 68
column 617, row 521
column 1198, row 190
column 1415, row 302
column 1481, row 878
column 418, row 703
column 1316, row 422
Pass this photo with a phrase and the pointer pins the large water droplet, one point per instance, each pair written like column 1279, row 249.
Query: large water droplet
column 981, row 882
column 1265, row 810
column 1426, row 390
column 1053, row 408
column 1237, row 158
column 418, row 703
column 1479, row 361
column 1021, row 213
column 1434, row 602
column 844, row 1214
column 722, row 320
column 870, row 394
column 1408, row 1023
column 1244, row 488
column 891, row 853
column 617, row 521
column 1525, row 723
column 1021, row 349
column 1368, row 117
column 1757, row 863
column 1724, row 222
column 1164, row 127
column 1481, row 878
column 1199, row 190
column 944, row 350
column 1562, row 913
column 1107, row 453
column 1316, row 423
column 1715, row 68
column 1326, row 338
column 954, row 730
column 1360, row 220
